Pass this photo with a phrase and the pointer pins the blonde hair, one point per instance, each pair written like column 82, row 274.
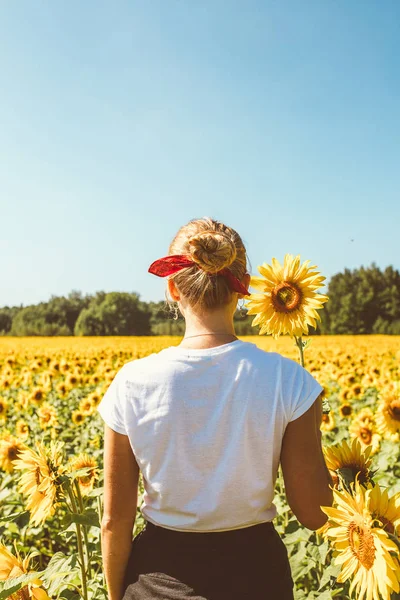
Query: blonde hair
column 213, row 246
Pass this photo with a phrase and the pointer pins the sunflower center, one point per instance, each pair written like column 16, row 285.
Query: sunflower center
column 38, row 476
column 286, row 297
column 387, row 525
column 366, row 435
column 362, row 545
column 394, row 410
column 345, row 410
column 12, row 452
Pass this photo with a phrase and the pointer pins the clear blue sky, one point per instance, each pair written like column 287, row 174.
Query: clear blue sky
column 122, row 120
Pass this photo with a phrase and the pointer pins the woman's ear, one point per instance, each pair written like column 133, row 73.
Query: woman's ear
column 173, row 290
column 246, row 280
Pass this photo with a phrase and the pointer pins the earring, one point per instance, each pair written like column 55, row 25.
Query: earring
column 242, row 309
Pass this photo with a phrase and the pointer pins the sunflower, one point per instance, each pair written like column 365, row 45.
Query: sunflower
column 37, row 396
column 366, row 416
column 289, row 301
column 3, row 409
column 388, row 413
column 345, row 410
column 83, row 461
column 41, row 481
column 328, row 422
column 62, row 389
column 5, row 382
column 71, row 380
column 78, row 417
column 366, row 433
column 22, row 429
column 356, row 390
column 344, row 395
column 384, row 509
column 47, row 416
column 353, row 457
column 94, row 398
column 9, row 448
column 363, row 550
column 12, row 566
column 86, row 406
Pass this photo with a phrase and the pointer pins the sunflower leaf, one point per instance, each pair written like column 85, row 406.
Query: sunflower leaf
column 59, row 566
column 9, row 518
column 16, row 583
column 96, row 492
column 323, row 550
column 89, row 517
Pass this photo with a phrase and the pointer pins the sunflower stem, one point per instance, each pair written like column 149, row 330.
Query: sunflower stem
column 80, row 545
column 300, row 345
column 85, row 534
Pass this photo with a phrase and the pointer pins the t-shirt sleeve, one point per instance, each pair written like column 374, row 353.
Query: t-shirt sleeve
column 299, row 389
column 111, row 407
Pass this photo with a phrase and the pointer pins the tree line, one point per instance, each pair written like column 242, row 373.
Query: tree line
column 361, row 301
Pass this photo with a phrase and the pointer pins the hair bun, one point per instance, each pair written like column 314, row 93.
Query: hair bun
column 212, row 250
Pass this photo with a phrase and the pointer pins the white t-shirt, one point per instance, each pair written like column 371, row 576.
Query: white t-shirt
column 206, row 429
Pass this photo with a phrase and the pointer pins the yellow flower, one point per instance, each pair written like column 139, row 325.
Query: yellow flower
column 47, row 415
column 345, row 410
column 385, row 509
column 3, row 409
column 94, row 398
column 9, row 448
column 22, row 429
column 328, row 422
column 86, row 406
column 289, row 301
column 62, row 389
column 12, row 566
column 388, row 413
column 366, row 553
column 78, row 417
column 363, row 427
column 356, row 390
column 37, row 396
column 83, row 461
column 40, row 483
column 366, row 434
column 353, row 457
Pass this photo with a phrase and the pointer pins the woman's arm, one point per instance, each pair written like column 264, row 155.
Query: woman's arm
column 121, row 477
column 307, row 478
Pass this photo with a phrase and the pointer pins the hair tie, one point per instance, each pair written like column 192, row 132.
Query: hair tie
column 168, row 265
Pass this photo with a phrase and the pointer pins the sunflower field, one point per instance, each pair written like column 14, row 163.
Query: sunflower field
column 51, row 445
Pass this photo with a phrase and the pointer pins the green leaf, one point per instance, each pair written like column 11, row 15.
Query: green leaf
column 313, row 552
column 323, row 551
column 89, row 517
column 60, row 566
column 16, row 583
column 13, row 516
column 300, row 535
column 96, row 492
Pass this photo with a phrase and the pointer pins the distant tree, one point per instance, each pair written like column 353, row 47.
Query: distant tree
column 365, row 300
column 5, row 320
column 55, row 317
column 117, row 313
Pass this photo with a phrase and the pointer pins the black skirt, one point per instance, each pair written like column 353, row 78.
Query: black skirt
column 250, row 563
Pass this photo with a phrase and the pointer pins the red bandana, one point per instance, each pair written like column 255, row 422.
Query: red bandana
column 174, row 263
